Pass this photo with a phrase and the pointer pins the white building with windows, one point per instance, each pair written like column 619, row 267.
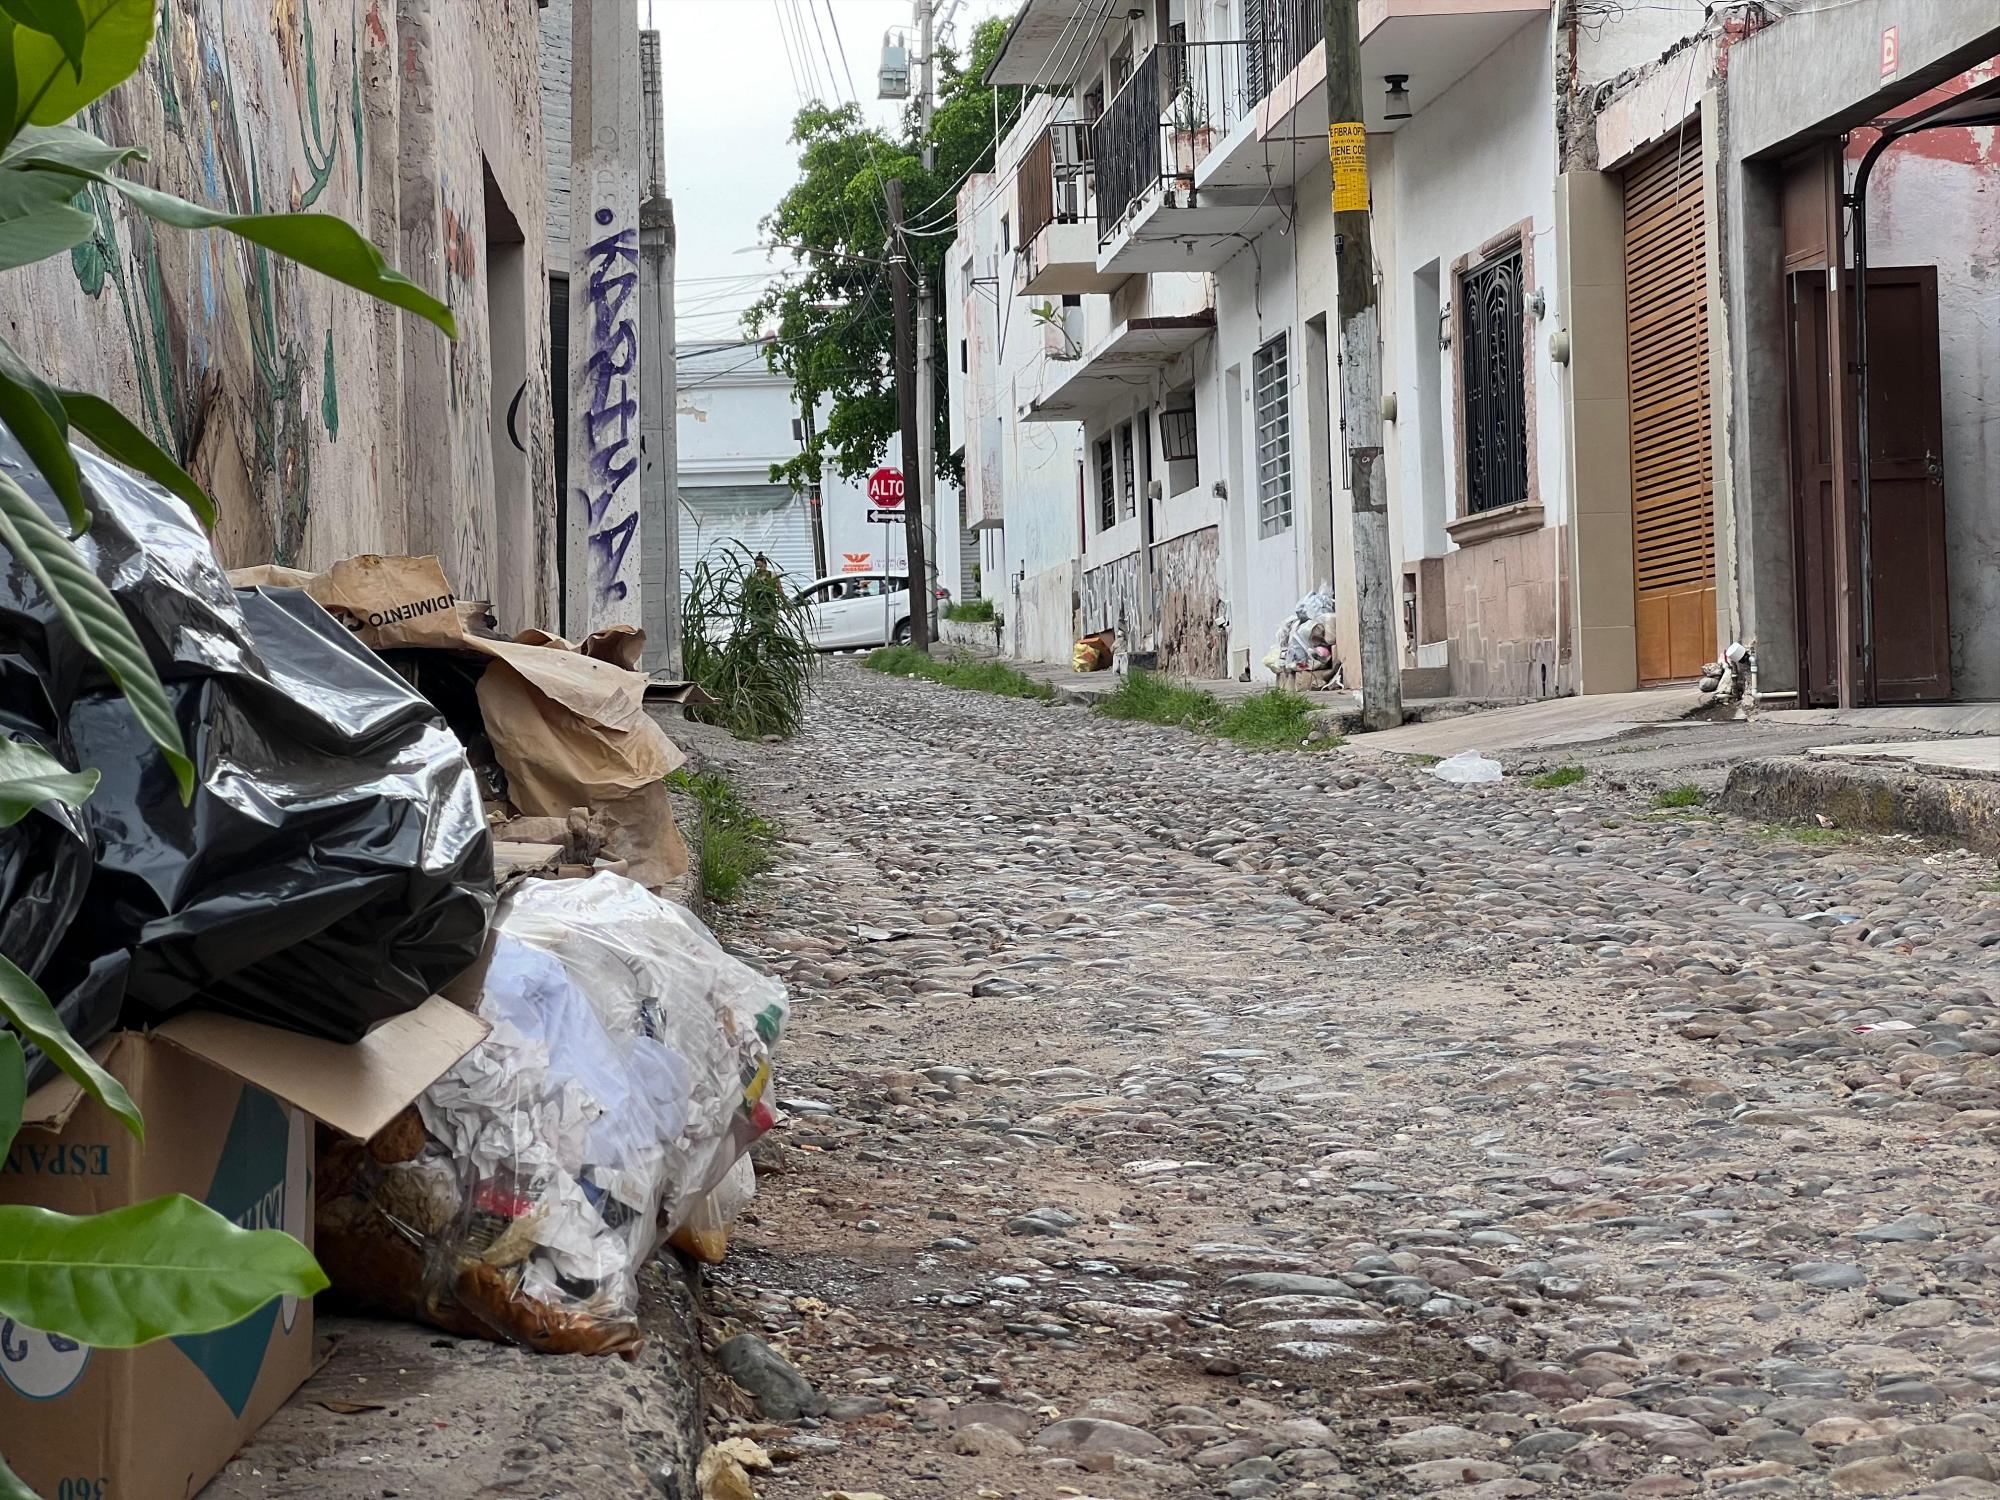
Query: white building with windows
column 1150, row 300
column 736, row 420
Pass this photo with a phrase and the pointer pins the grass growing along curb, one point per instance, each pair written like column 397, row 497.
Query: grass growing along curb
column 958, row 672
column 1561, row 776
column 971, row 611
column 734, row 842
column 1271, row 720
column 1685, row 795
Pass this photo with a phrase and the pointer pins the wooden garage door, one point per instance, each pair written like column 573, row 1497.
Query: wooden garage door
column 1673, row 474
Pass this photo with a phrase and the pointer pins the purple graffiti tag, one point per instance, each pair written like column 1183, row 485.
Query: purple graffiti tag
column 611, row 408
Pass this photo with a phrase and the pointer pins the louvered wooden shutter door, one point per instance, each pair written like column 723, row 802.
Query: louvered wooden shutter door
column 1673, row 475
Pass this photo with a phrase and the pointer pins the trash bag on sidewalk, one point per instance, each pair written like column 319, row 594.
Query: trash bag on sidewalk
column 333, row 869
column 625, row 1074
column 1468, row 768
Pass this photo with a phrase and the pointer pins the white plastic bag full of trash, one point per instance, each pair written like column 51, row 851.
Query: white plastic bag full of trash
column 1467, row 768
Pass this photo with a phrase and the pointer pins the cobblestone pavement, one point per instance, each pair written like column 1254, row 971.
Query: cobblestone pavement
column 1171, row 1120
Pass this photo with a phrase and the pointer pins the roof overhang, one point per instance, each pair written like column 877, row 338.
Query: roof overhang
column 1044, row 32
column 1131, row 354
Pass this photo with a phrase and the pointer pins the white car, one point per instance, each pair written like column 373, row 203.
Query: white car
column 858, row 609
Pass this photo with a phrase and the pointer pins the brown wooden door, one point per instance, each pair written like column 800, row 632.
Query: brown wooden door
column 1909, row 588
column 1673, row 477
column 1809, row 399
column 1906, row 557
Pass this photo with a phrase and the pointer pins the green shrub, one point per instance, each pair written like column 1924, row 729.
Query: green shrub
column 746, row 642
column 972, row 612
column 734, row 843
column 957, row 671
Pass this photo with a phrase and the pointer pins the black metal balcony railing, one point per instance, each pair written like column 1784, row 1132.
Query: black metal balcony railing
column 1184, row 97
column 1281, row 32
column 1127, row 139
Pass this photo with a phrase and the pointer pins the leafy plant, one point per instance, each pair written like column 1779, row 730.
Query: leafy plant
column 735, row 843
column 1685, row 795
column 169, row 1266
column 747, row 643
column 973, row 612
column 958, row 671
column 1561, row 776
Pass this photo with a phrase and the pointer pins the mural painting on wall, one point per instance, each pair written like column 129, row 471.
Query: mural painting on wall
column 611, row 499
column 220, row 331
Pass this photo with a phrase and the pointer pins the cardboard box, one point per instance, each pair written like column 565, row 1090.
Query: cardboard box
column 229, row 1107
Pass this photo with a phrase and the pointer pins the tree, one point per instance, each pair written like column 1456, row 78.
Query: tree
column 831, row 319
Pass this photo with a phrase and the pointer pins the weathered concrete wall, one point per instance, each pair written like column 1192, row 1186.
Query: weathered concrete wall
column 322, row 423
column 1111, row 599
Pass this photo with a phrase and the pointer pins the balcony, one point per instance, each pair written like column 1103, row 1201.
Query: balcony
column 1162, row 203
column 1104, row 377
column 1056, row 206
column 1287, row 40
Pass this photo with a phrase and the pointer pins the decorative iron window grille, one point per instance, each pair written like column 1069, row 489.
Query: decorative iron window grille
column 1177, row 435
column 1494, row 381
column 1130, row 507
column 1271, row 402
column 1107, row 494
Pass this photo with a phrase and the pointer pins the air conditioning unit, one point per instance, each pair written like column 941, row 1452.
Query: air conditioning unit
column 1069, row 143
column 894, row 79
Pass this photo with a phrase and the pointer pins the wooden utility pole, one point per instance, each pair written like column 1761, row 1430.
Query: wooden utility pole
column 900, row 272
column 1360, row 349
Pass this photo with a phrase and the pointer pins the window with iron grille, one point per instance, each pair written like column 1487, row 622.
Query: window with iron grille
column 1129, row 493
column 1107, row 494
column 1271, row 401
column 1493, row 378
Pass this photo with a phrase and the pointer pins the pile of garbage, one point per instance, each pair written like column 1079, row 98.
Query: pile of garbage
column 1306, row 651
column 335, row 827
column 610, row 1108
column 358, row 734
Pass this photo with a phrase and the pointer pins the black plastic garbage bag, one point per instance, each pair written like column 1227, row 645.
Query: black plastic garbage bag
column 334, row 868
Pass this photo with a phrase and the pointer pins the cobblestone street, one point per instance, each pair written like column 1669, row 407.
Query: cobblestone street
column 1165, row 1119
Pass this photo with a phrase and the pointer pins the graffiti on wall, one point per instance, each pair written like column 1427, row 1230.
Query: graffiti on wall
column 216, row 329
column 610, row 408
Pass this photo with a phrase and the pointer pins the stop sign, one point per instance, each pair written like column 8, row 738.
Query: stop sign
column 885, row 488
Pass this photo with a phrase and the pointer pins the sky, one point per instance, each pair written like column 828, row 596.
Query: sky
column 733, row 78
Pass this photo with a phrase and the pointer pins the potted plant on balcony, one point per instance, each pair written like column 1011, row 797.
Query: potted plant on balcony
column 1191, row 134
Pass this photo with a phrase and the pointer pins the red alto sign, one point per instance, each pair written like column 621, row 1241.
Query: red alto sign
column 885, row 488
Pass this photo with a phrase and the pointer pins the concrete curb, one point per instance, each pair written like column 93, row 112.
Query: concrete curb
column 1879, row 798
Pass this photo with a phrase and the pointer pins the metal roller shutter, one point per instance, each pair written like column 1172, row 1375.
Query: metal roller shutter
column 1673, row 475
column 766, row 518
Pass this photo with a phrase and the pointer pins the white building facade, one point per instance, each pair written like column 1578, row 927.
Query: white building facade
column 1151, row 304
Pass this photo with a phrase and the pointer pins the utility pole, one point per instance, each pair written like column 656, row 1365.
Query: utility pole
column 900, row 272
column 1361, row 367
column 926, row 333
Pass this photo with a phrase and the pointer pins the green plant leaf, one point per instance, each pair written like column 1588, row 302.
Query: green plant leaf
column 13, row 1087
column 29, row 407
column 329, row 245
column 116, row 34
column 11, row 1485
column 59, row 19
column 27, row 1009
column 30, row 776
column 66, row 148
column 159, row 1269
column 37, row 219
column 89, row 613
column 120, row 437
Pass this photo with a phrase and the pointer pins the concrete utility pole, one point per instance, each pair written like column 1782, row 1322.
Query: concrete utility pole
column 927, row 334
column 1360, row 349
column 900, row 273
column 605, row 545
